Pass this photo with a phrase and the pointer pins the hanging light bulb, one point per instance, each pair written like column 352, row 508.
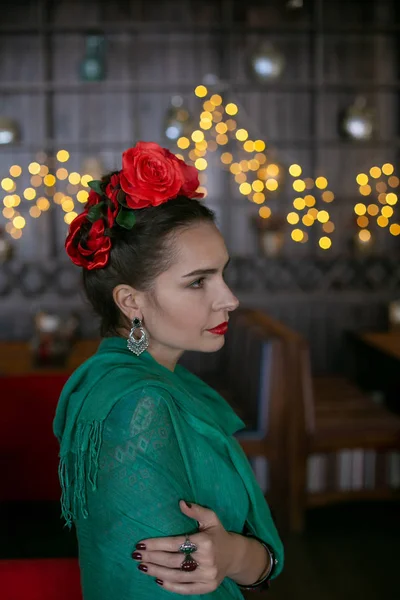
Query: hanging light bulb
column 357, row 122
column 266, row 63
column 9, row 132
column 177, row 120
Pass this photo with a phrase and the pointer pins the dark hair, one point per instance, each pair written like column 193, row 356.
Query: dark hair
column 140, row 254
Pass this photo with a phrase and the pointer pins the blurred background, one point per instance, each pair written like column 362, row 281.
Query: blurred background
column 290, row 111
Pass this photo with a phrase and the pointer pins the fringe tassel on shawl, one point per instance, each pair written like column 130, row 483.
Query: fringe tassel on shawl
column 83, row 461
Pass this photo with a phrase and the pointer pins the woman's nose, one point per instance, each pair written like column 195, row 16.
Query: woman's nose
column 227, row 300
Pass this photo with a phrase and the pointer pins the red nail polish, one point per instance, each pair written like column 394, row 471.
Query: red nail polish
column 159, row 581
column 141, row 546
column 137, row 556
column 142, row 568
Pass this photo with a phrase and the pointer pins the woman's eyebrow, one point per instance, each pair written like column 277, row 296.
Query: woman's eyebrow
column 205, row 271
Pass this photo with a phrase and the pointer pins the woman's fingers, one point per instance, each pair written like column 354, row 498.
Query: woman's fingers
column 172, row 560
column 188, row 589
column 166, row 544
column 173, row 575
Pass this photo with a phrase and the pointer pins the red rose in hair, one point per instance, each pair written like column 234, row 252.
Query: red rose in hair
column 93, row 253
column 152, row 175
column 112, row 190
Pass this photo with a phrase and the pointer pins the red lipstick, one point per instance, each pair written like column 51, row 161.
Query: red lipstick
column 220, row 329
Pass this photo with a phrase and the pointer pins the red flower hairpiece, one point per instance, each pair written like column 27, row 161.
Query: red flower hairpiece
column 150, row 176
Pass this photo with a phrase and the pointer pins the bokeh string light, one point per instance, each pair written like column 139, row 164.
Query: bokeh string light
column 63, row 188
column 379, row 201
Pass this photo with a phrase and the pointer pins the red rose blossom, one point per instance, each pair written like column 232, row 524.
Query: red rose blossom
column 95, row 251
column 152, row 175
column 112, row 190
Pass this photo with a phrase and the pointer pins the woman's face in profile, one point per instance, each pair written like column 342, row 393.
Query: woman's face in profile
column 191, row 297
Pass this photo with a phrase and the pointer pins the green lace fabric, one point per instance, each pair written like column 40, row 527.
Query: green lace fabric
column 135, row 439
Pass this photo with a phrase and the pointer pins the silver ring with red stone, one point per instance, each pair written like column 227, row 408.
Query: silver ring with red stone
column 188, row 564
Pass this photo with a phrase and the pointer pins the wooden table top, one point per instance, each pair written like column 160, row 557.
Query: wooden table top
column 16, row 358
column 386, row 341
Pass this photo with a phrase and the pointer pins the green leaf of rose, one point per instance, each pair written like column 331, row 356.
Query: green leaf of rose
column 126, row 218
column 95, row 212
column 96, row 186
column 121, row 198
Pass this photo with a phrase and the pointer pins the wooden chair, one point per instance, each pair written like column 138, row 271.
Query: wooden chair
column 340, row 442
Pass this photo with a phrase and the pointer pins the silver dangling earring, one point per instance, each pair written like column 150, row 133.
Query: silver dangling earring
column 140, row 345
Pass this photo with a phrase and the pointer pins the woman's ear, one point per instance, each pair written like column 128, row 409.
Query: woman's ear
column 127, row 300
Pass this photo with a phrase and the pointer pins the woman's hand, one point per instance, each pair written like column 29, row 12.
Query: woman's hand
column 215, row 552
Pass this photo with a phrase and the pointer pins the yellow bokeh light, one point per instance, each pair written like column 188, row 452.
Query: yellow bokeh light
column 216, row 99
column 217, row 116
column 67, row 204
column 44, row 169
column 295, row 170
column 231, row 124
column 8, row 212
column 242, row 135
column 58, row 197
column 201, row 164
column 273, row 170
column 226, row 158
column 313, row 212
column 201, row 91
column 49, row 180
column 328, row 196
column 7, row 184
column 205, row 124
column 299, row 185
column 307, row 220
column 323, row 216
column 264, row 212
column 34, row 168
column 8, row 201
column 375, row 172
column 181, row 157
column 85, row 180
column 208, row 106
column 183, row 143
column 299, row 203
column 261, row 158
column 373, row 210
column 235, row 168
column 231, row 109
column 19, row 222
column 197, row 136
column 16, row 234
column 365, row 190
column 363, row 221
column 257, row 185
column 309, row 200
column 382, row 221
column 254, row 164
column 17, row 199
column 391, row 198
column 62, row 155
column 360, row 209
column 293, row 218
column 297, row 235
column 362, row 179
column 201, row 145
column 29, row 193
column 248, row 146
column 15, row 171
column 271, row 185
column 328, row 227
column 325, row 243
column 387, row 169
column 258, row 198
column 394, row 229
column 245, row 189
column 74, row 178
column 35, row 212
column 221, row 128
column 240, row 177
column 36, row 180
column 69, row 217
column 382, row 198
column 259, row 146
column 43, row 204
column 321, row 183
column 393, row 181
column 244, row 165
column 206, row 115
column 387, row 211
column 309, row 183
column 222, row 139
column 381, row 187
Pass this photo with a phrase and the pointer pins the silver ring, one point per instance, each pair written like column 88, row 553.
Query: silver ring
column 187, row 547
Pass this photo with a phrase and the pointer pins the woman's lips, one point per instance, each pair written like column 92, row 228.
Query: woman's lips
column 220, row 329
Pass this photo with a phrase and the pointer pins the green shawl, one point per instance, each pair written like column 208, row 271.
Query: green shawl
column 108, row 376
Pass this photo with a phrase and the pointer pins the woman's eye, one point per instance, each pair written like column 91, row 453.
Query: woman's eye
column 198, row 283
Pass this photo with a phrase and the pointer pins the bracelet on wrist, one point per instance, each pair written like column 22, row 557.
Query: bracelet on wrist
column 265, row 577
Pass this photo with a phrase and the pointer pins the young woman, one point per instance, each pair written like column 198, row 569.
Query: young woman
column 164, row 500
